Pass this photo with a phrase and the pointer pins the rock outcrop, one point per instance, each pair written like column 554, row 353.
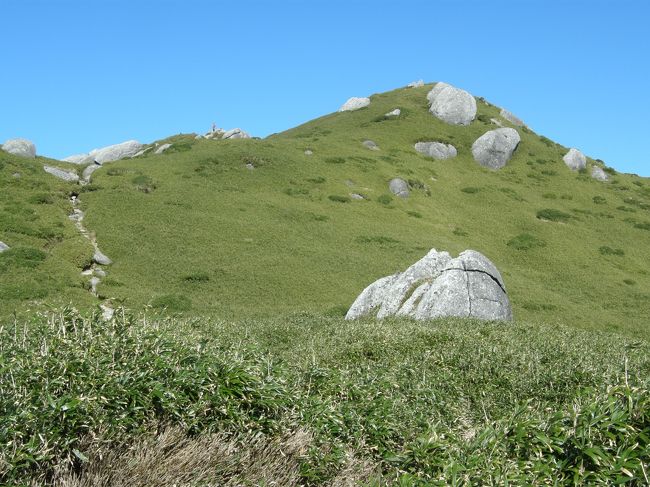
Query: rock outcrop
column 399, row 187
column 575, row 160
column 20, row 147
column 236, row 134
column 354, row 103
column 162, row 148
column 88, row 171
column 107, row 154
column 452, row 105
column 438, row 286
column 510, row 117
column 3, row 247
column 393, row 113
column 598, row 174
column 416, row 84
column 437, row 150
column 69, row 176
column 494, row 149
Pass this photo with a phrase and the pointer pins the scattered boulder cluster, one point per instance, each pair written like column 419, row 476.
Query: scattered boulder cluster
column 97, row 270
column 438, row 286
column 218, row 133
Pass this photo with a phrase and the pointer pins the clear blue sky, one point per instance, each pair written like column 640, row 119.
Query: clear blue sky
column 83, row 74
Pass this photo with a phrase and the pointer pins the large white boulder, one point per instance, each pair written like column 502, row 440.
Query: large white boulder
column 20, row 147
column 452, row 105
column 354, row 103
column 575, row 160
column 437, row 150
column 107, row 154
column 494, row 149
column 438, row 286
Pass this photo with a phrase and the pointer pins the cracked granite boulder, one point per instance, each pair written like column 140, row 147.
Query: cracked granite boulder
column 437, row 286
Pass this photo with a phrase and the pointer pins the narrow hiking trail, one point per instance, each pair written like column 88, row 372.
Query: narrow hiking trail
column 98, row 268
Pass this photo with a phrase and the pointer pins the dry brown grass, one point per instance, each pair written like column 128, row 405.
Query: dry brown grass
column 173, row 459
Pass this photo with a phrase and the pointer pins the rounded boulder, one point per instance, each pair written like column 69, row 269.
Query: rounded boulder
column 20, row 147
column 452, row 105
column 494, row 149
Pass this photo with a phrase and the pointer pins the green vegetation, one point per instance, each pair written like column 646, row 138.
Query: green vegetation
column 415, row 403
column 525, row 241
column 553, row 215
column 160, row 217
column 605, row 250
column 259, row 266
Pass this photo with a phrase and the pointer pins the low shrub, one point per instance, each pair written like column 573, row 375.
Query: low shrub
column 605, row 250
column 172, row 302
column 553, row 215
column 385, row 199
column 470, row 190
column 599, row 200
column 41, row 199
column 338, row 198
column 525, row 241
column 335, row 160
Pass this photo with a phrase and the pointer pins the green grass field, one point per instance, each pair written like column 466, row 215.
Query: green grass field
column 244, row 276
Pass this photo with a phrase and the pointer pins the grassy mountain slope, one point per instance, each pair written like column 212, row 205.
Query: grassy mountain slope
column 286, row 235
column 46, row 251
column 263, row 386
column 197, row 231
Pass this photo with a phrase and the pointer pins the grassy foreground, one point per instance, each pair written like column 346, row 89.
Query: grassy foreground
column 312, row 400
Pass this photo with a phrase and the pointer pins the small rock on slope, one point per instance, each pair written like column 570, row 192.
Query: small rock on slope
column 20, row 147
column 437, row 150
column 394, row 113
column 494, row 149
column 399, row 187
column 598, row 174
column 575, row 160
column 354, row 103
column 101, row 259
column 369, row 144
column 236, row 134
column 452, row 105
column 3, row 247
column 416, row 84
column 510, row 117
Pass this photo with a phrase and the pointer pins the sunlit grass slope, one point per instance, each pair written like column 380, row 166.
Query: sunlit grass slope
column 197, row 230
column 46, row 251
